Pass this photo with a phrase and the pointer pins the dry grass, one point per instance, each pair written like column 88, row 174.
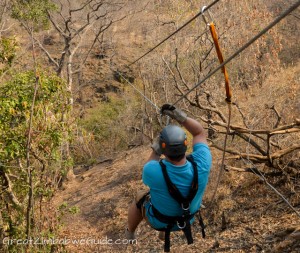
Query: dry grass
column 253, row 214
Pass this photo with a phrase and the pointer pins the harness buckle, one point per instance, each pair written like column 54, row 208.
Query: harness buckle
column 185, row 208
column 181, row 227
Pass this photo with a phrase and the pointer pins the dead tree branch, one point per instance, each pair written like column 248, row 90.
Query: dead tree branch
column 7, row 187
column 258, row 173
column 259, row 158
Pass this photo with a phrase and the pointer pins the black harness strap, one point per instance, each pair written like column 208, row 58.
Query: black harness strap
column 172, row 221
column 173, row 190
column 167, row 238
column 202, row 225
column 183, row 221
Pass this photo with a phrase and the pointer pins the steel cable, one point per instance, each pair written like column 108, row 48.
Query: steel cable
column 245, row 46
column 177, row 30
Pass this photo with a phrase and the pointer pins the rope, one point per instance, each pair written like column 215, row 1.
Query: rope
column 228, row 99
column 222, row 167
column 245, row 46
column 180, row 28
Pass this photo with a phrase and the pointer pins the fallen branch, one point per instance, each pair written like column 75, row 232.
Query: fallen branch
column 253, row 170
column 291, row 128
column 286, row 151
column 246, row 169
column 286, row 131
column 239, row 155
column 9, row 192
column 258, row 158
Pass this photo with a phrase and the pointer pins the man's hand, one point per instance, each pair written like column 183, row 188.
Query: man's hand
column 173, row 113
column 156, row 147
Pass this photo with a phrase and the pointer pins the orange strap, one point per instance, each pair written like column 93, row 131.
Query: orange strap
column 220, row 56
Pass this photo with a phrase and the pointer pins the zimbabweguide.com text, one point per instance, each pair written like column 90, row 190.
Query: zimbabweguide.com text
column 66, row 241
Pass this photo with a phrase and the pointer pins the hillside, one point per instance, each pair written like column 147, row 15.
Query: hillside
column 247, row 217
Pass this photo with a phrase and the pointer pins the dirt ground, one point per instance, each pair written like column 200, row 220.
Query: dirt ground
column 246, row 216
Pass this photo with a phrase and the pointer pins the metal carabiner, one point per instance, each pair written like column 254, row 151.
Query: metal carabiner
column 168, row 120
column 184, row 224
column 204, row 17
column 185, row 209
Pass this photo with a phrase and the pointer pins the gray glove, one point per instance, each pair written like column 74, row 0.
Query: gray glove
column 156, row 147
column 173, row 113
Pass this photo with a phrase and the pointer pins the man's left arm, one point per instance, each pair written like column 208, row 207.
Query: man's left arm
column 153, row 156
column 156, row 150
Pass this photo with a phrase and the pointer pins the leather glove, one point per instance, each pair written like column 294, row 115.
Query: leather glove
column 173, row 113
column 156, row 147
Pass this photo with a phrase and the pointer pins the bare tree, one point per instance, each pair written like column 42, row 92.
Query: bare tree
column 80, row 25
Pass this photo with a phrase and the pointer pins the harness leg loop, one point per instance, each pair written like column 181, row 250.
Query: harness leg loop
column 167, row 239
column 188, row 233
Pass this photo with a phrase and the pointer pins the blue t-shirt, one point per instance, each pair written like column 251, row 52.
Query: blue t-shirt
column 182, row 177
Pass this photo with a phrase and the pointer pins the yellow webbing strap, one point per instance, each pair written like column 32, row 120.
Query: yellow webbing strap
column 220, row 56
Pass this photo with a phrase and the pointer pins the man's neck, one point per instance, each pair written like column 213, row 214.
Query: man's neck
column 177, row 163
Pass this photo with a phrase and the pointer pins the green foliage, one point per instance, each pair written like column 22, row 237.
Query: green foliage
column 74, row 210
column 103, row 130
column 8, row 47
column 33, row 11
column 49, row 134
column 101, row 121
column 16, row 99
column 63, row 208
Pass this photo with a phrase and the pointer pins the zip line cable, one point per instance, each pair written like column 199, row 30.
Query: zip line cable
column 266, row 29
column 180, row 28
column 143, row 95
column 258, row 173
column 222, row 67
column 136, row 89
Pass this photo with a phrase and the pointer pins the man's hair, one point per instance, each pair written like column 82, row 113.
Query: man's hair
column 176, row 158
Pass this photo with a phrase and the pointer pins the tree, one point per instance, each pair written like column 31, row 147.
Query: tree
column 188, row 58
column 80, row 25
column 33, row 131
column 47, row 163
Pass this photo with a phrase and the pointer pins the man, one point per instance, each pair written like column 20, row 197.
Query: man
column 160, row 206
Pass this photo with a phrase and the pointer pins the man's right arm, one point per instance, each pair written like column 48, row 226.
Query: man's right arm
column 196, row 129
column 193, row 126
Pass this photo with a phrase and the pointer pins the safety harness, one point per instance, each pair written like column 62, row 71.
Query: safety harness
column 183, row 221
